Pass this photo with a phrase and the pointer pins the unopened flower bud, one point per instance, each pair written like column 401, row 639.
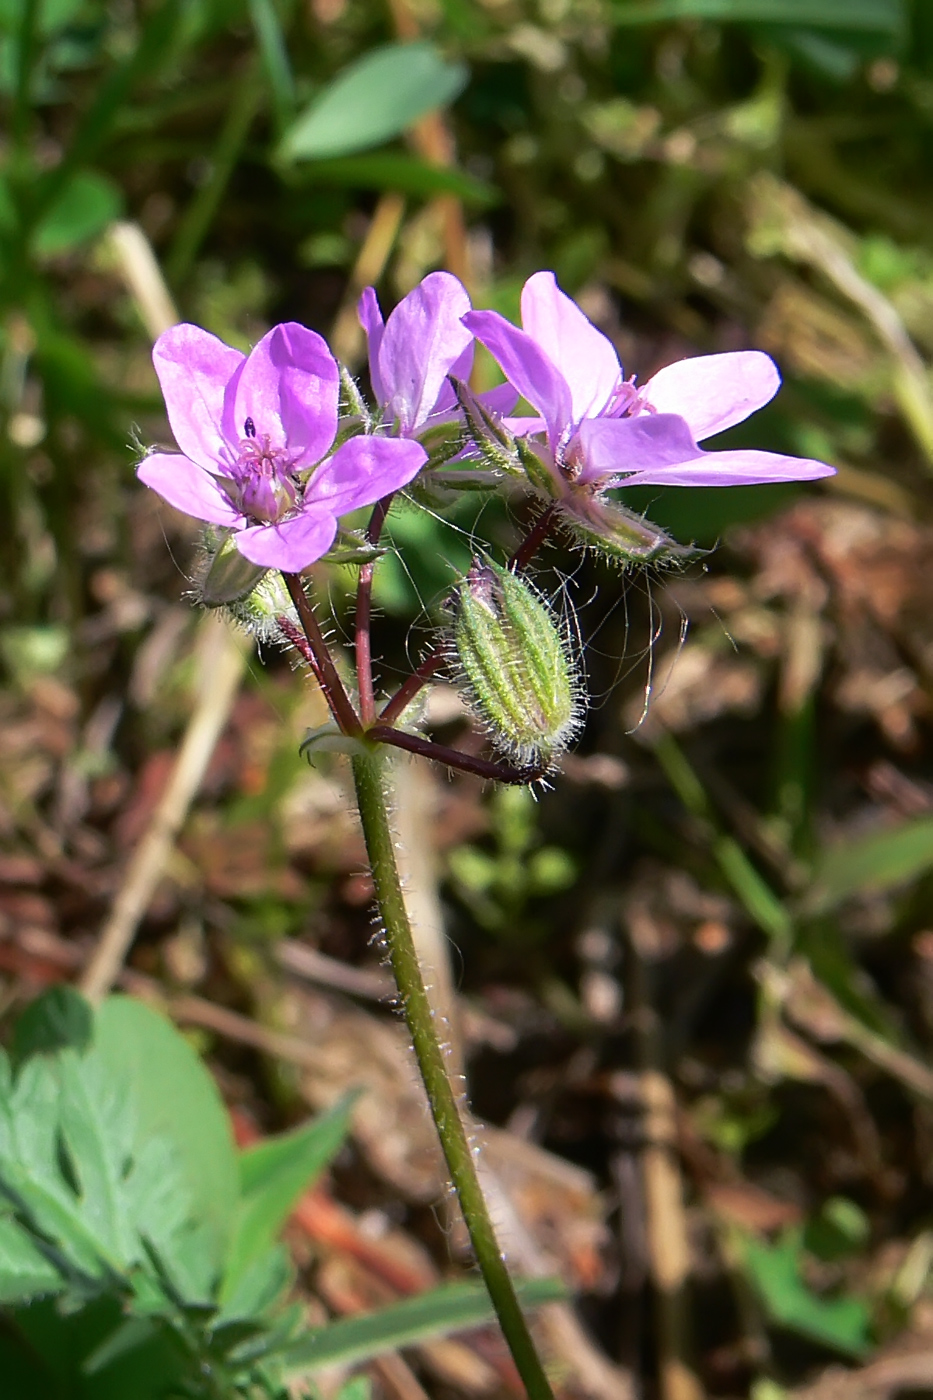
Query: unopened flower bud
column 227, row 575
column 255, row 597
column 517, row 665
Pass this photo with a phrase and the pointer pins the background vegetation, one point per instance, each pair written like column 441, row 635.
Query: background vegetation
column 692, row 985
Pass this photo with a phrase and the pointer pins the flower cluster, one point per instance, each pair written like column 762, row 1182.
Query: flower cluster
column 257, row 433
column 272, row 464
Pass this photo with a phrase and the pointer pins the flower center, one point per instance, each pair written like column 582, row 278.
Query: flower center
column 266, row 487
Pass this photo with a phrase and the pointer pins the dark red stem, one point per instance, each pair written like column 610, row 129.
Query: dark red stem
column 363, row 618
column 453, row 758
column 533, row 540
column 333, row 687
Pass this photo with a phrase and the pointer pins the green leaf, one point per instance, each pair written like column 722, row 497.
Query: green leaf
column 884, row 16
column 450, row 1308
column 174, row 1098
column 376, row 98
column 57, row 1020
column 393, row 170
column 871, row 864
column 273, row 1175
column 24, row 1270
column 840, row 1323
column 88, row 202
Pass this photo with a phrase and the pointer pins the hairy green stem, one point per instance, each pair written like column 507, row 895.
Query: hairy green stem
column 368, row 770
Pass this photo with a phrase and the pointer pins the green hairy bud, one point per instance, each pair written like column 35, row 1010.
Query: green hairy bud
column 517, row 665
column 620, row 535
column 253, row 596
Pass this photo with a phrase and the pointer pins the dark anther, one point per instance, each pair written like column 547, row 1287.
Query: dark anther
column 249, row 428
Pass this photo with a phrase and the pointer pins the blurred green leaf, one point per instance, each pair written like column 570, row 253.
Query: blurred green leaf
column 393, row 170
column 871, row 864
column 273, row 1175
column 450, row 1308
column 85, row 206
column 840, row 1323
column 886, row 16
column 374, row 99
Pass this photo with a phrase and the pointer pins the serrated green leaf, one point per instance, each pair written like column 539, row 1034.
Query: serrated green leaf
column 174, row 1098
column 373, row 100
column 871, row 864
column 59, row 1019
column 24, row 1272
column 450, row 1308
column 273, row 1174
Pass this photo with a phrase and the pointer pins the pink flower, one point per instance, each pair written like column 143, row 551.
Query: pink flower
column 601, row 430
column 413, row 355
column 254, row 433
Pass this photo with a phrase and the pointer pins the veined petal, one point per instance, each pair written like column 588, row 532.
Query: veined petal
column 370, row 314
column 713, row 392
column 362, row 471
column 743, row 467
column 585, row 357
column 289, row 388
column 424, row 338
column 527, row 368
column 194, row 369
column 616, row 446
column 187, row 487
column 291, row 545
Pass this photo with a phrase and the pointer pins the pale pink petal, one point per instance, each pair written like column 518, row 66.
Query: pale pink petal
column 288, row 389
column 187, row 487
column 659, row 450
column 713, row 392
column 527, row 368
column 424, row 338
column 291, row 545
column 362, row 471
column 194, row 369
column 613, row 446
column 370, row 315
column 584, row 356
column 742, row 467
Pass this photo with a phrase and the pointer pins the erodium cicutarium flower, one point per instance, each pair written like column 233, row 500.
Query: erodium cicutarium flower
column 255, row 432
column 418, row 350
column 601, row 430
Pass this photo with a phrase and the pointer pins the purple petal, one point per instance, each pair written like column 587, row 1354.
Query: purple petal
column 364, row 470
column 462, row 368
column 613, row 446
column 501, row 400
column 744, row 467
column 526, row 367
column 187, row 487
column 371, row 320
column 424, row 337
column 584, row 356
column 289, row 388
column 194, row 369
column 713, row 392
column 291, row 545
